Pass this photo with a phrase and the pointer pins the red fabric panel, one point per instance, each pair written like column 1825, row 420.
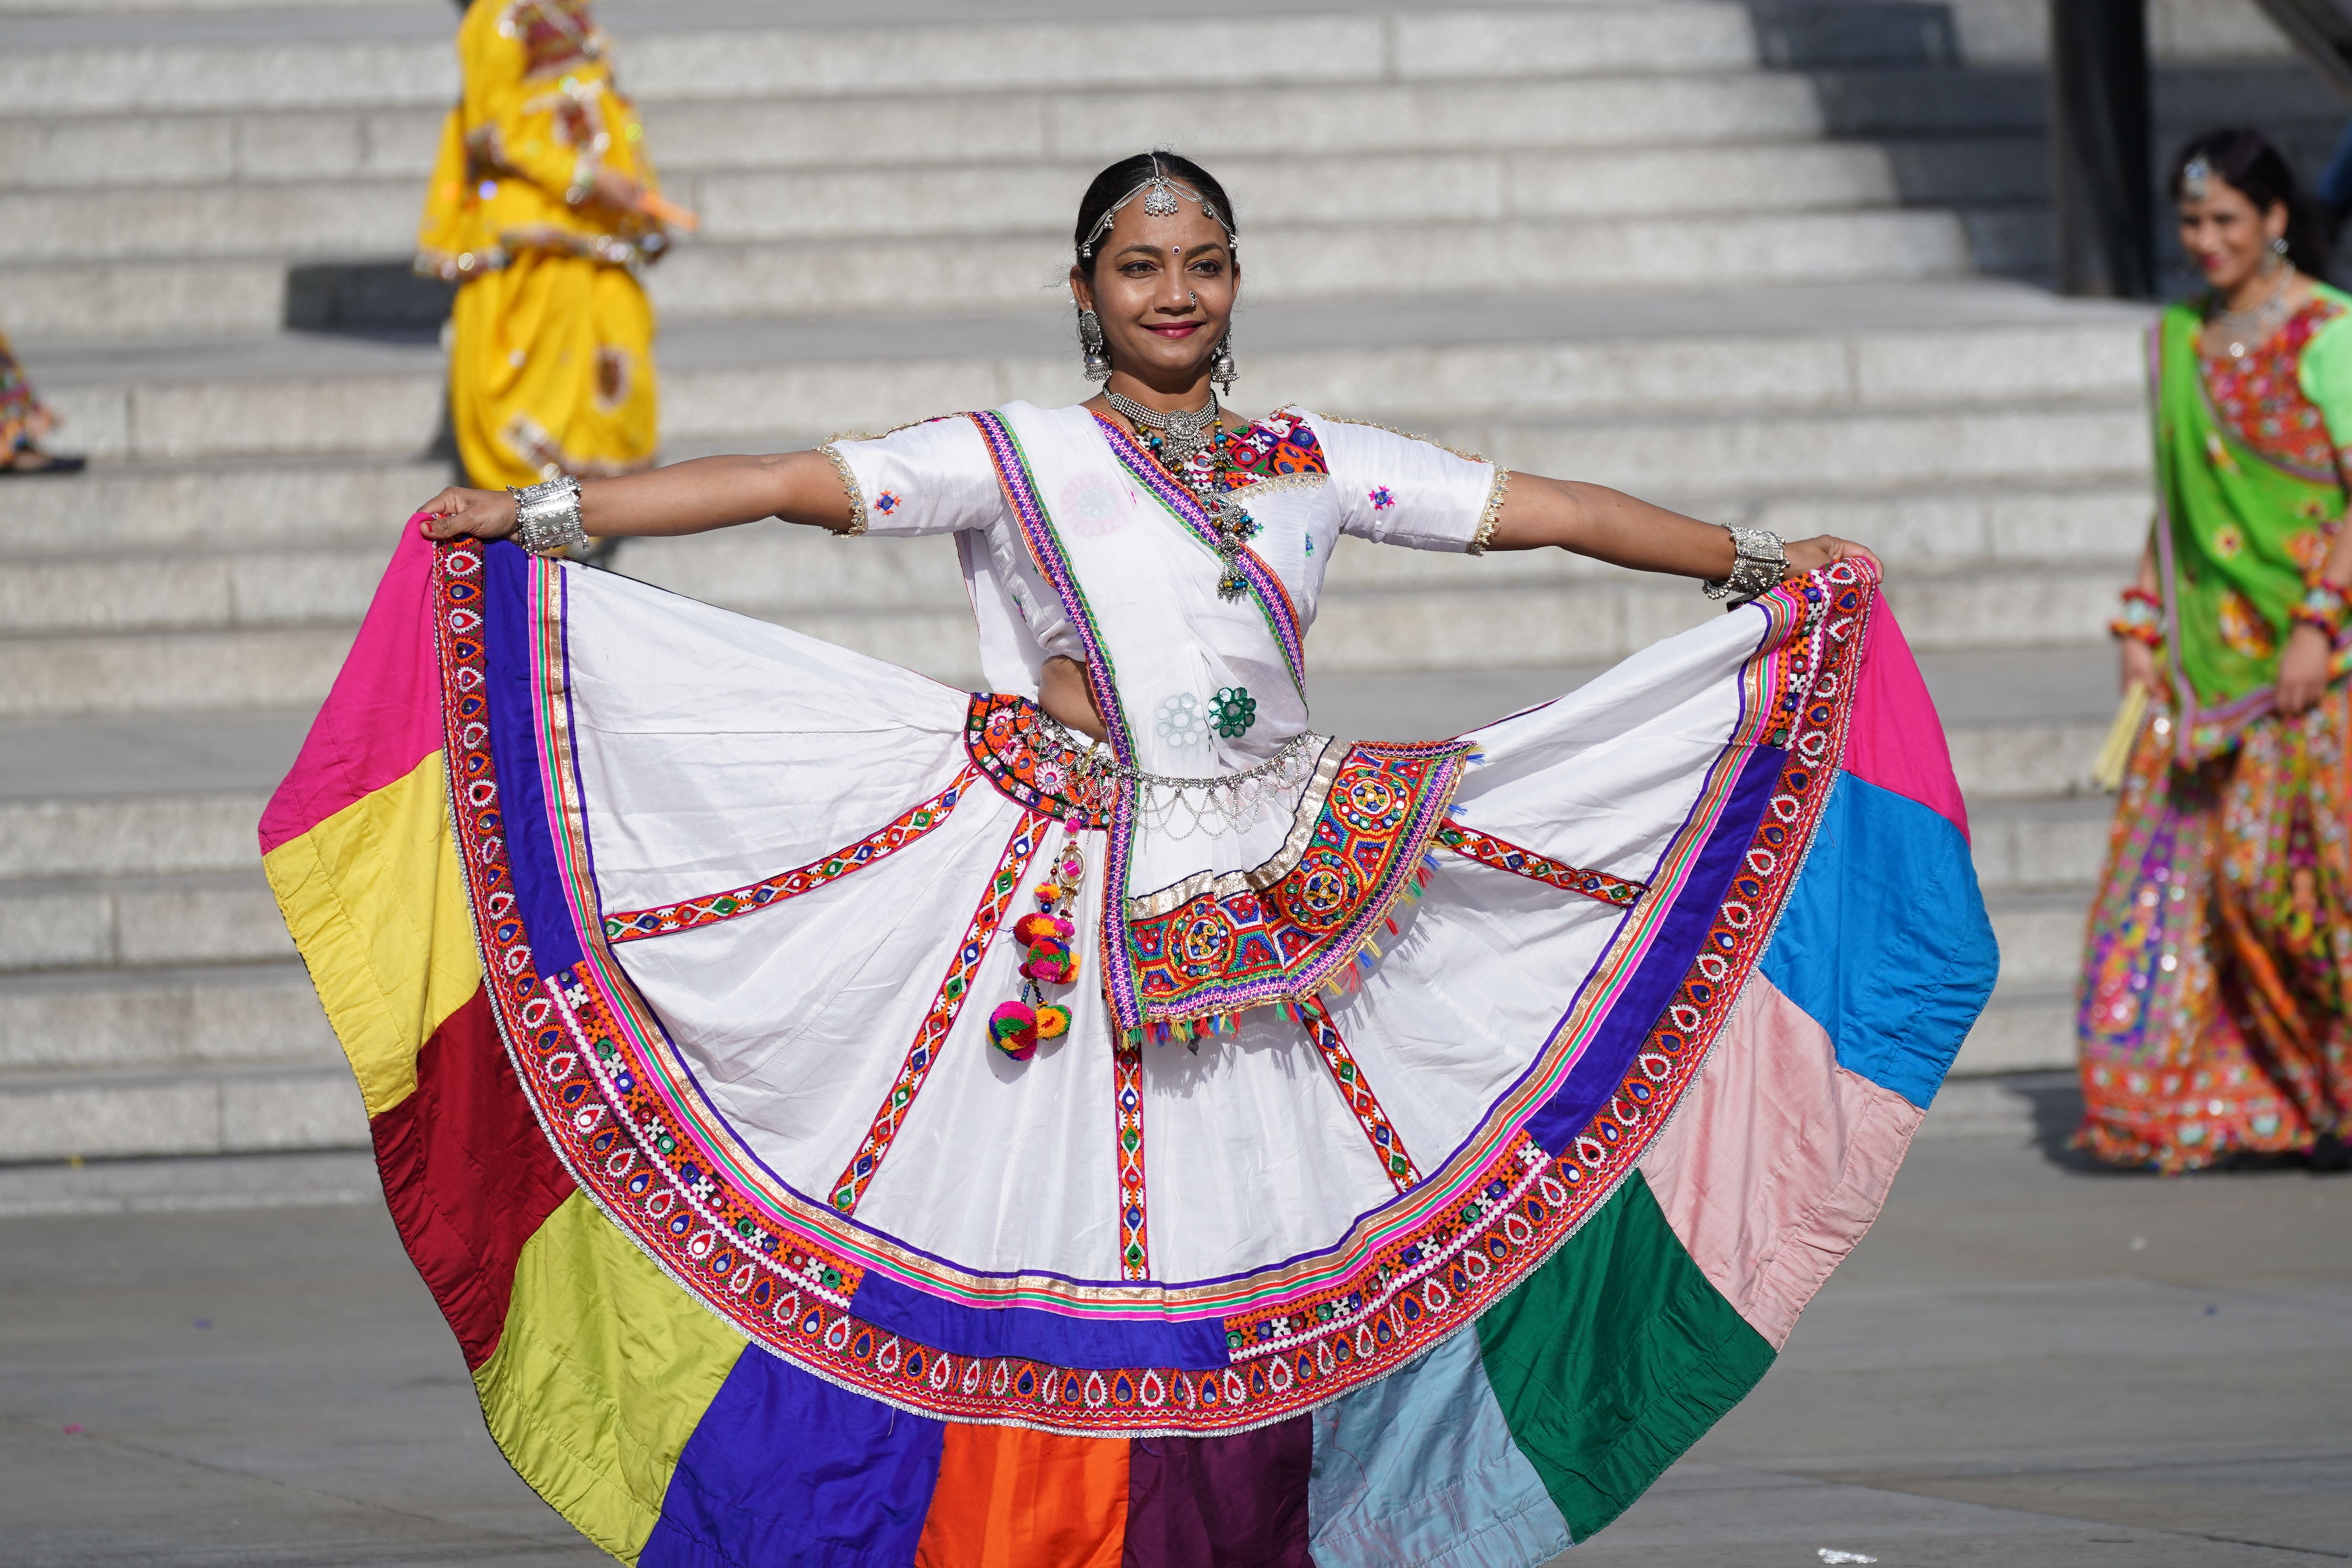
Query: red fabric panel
column 467, row 1173
column 1220, row 1502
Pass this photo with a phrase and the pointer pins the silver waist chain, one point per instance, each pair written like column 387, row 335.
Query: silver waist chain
column 1227, row 802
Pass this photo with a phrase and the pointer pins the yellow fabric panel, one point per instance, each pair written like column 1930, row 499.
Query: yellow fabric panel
column 448, row 226
column 552, row 370
column 605, row 1368
column 376, row 901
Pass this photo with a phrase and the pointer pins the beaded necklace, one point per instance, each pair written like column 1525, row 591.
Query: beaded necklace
column 1235, row 528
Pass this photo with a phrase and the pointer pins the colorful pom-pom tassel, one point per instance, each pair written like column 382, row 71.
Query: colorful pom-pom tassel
column 1053, row 1022
column 1012, row 1029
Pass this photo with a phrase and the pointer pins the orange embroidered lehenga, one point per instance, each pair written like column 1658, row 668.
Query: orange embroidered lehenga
column 2216, row 1012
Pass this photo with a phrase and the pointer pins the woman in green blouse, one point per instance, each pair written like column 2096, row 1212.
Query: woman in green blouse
column 2216, row 1014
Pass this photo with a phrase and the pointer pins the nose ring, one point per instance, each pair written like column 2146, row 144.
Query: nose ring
column 1195, row 297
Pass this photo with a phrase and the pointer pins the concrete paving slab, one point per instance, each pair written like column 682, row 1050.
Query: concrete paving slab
column 2025, row 1364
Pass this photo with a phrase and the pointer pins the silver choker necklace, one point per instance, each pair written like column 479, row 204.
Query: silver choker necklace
column 2252, row 327
column 1175, row 440
column 1183, row 435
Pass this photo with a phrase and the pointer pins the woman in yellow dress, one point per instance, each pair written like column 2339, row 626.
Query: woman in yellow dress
column 544, row 210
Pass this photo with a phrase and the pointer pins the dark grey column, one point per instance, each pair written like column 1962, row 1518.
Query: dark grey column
column 2102, row 195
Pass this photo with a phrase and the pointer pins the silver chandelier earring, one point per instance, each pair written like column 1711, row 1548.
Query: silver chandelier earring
column 1097, row 364
column 1220, row 369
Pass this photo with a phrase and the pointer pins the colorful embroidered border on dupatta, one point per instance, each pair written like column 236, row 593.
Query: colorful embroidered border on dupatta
column 618, row 1105
column 1272, row 598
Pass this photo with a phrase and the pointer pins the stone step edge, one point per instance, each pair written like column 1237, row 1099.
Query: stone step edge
column 180, row 1184
column 1727, row 72
column 1080, row 165
column 946, row 617
column 242, row 974
column 56, row 1117
column 1974, row 141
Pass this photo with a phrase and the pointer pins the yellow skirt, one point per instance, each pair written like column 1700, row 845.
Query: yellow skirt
column 551, row 371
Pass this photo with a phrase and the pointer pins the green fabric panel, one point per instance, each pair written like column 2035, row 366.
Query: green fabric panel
column 2234, row 515
column 1614, row 1357
column 605, row 1367
column 2326, row 368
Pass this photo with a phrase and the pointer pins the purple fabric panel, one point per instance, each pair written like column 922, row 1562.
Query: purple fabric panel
column 1594, row 1078
column 1221, row 1502
column 786, row 1468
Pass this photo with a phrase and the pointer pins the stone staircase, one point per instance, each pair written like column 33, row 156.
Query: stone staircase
column 1492, row 226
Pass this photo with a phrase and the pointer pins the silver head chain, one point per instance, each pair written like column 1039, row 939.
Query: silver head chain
column 1160, row 196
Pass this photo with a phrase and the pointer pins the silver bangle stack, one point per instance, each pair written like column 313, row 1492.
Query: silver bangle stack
column 1757, row 564
column 547, row 517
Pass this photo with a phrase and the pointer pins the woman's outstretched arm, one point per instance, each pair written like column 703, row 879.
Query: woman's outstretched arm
column 692, row 496
column 1610, row 525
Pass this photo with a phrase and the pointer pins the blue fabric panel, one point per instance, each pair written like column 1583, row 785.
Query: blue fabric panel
column 784, row 1467
column 514, row 746
column 1884, row 941
column 1613, row 1046
column 1420, row 1467
column 1027, row 1332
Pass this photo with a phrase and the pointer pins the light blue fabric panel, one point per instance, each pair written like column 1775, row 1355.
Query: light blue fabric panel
column 1420, row 1469
column 1884, row 941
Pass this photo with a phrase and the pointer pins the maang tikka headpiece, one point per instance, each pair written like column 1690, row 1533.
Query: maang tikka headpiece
column 1160, row 196
column 2193, row 175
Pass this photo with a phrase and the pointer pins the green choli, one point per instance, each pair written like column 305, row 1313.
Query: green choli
column 2250, row 492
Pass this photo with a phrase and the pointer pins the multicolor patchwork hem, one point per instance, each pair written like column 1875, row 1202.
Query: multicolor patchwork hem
column 789, row 1272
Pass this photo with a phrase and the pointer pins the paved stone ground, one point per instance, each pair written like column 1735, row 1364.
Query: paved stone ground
column 2026, row 1363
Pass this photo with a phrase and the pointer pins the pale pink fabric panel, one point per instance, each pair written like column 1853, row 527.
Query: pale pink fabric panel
column 1776, row 1160
column 383, row 716
column 1897, row 739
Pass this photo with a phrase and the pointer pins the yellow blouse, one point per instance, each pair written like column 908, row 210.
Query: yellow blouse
column 519, row 154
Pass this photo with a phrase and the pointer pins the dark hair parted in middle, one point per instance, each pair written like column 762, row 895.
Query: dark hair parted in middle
column 1121, row 178
column 2248, row 162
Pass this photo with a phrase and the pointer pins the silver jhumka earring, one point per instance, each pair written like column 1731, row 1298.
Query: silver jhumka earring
column 1220, row 369
column 1096, row 364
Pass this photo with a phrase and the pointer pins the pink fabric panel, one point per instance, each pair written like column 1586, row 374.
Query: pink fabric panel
column 383, row 716
column 1898, row 742
column 1776, row 1161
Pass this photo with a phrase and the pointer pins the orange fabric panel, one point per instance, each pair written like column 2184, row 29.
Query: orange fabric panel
column 1008, row 1498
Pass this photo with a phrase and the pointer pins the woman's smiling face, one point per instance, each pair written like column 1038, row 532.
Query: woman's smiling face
column 2225, row 235
column 1163, row 288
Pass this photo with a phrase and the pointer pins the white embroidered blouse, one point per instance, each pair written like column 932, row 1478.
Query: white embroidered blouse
column 1305, row 478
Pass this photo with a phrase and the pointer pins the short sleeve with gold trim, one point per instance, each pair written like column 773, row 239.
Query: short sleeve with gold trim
column 1394, row 489
column 932, row 478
